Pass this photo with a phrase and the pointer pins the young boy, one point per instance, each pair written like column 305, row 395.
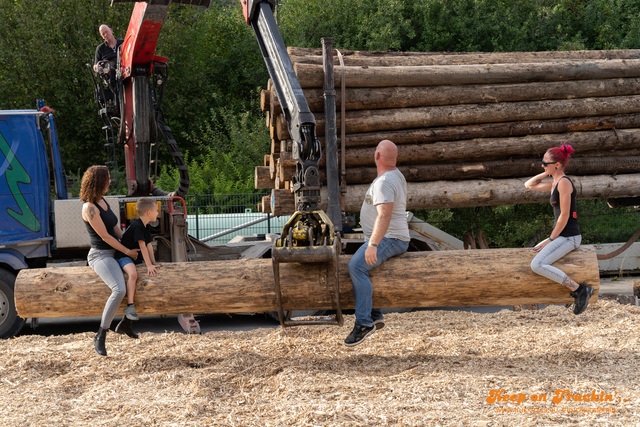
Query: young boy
column 138, row 236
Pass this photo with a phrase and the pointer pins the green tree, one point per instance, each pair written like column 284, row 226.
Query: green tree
column 230, row 146
column 214, row 62
column 44, row 46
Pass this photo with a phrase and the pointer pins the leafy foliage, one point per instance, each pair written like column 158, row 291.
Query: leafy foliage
column 231, row 146
column 214, row 62
column 512, row 226
column 463, row 25
column 44, row 46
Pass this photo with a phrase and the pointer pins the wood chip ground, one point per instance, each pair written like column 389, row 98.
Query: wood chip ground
column 426, row 368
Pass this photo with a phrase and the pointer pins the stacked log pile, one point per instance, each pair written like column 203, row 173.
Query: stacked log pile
column 470, row 128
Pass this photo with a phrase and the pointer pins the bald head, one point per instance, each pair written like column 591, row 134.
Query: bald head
column 106, row 33
column 387, row 152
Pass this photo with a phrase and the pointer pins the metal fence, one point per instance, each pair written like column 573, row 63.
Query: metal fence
column 598, row 225
column 211, row 216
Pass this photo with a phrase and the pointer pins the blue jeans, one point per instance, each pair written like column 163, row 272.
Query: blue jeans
column 359, row 272
column 124, row 261
column 555, row 250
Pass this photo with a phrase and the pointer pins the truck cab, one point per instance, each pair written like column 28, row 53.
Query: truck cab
column 25, row 200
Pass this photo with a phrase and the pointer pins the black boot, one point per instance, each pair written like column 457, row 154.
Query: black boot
column 98, row 342
column 125, row 327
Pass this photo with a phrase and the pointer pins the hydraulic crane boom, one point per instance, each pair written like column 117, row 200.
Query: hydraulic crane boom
column 309, row 236
column 140, row 72
column 306, row 150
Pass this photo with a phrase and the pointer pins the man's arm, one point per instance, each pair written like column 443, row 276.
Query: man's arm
column 381, row 224
column 97, row 58
column 380, row 228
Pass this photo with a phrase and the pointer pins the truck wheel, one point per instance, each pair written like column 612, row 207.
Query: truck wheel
column 10, row 322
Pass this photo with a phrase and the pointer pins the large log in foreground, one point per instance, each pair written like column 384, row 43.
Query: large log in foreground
column 418, row 279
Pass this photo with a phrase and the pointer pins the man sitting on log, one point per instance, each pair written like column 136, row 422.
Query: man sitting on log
column 386, row 233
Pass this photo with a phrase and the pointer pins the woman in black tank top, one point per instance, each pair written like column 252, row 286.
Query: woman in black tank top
column 565, row 235
column 104, row 233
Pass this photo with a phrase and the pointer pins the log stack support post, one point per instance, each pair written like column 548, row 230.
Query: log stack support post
column 331, row 138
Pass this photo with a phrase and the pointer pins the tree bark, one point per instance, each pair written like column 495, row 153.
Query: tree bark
column 286, row 167
column 274, row 104
column 484, row 149
column 417, row 279
column 265, row 205
column 494, row 192
column 371, row 58
column 311, row 75
column 473, row 192
column 265, row 100
column 453, row 115
column 469, row 193
column 282, row 127
column 282, row 201
column 510, row 168
column 420, row 96
column 491, row 130
column 262, row 177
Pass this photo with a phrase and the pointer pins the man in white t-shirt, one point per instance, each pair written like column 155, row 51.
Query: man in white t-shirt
column 386, row 233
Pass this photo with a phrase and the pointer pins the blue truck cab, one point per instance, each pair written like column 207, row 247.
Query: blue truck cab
column 29, row 152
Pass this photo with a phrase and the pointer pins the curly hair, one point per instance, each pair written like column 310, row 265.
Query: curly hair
column 94, row 182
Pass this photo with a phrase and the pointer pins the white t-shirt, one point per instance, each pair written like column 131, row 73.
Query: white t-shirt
column 388, row 187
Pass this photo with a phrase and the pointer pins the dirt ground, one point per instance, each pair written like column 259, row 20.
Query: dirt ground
column 424, row 368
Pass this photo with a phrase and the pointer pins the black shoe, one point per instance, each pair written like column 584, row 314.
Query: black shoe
column 359, row 333
column 125, row 327
column 98, row 342
column 379, row 323
column 582, row 298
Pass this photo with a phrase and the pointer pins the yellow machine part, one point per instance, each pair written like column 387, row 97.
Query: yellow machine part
column 132, row 213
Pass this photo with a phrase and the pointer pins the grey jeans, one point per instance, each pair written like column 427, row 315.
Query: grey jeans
column 106, row 266
column 555, row 250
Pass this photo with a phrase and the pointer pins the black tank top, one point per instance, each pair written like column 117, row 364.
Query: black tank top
column 110, row 220
column 571, row 229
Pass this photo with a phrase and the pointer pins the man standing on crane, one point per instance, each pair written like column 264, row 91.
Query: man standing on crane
column 386, row 233
column 108, row 50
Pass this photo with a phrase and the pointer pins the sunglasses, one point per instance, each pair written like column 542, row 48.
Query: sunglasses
column 545, row 164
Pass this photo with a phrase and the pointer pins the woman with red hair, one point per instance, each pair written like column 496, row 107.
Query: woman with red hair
column 565, row 235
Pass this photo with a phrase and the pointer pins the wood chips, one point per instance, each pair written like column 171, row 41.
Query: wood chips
column 425, row 368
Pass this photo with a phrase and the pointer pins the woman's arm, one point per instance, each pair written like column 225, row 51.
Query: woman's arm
column 92, row 216
column 536, row 183
column 118, row 231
